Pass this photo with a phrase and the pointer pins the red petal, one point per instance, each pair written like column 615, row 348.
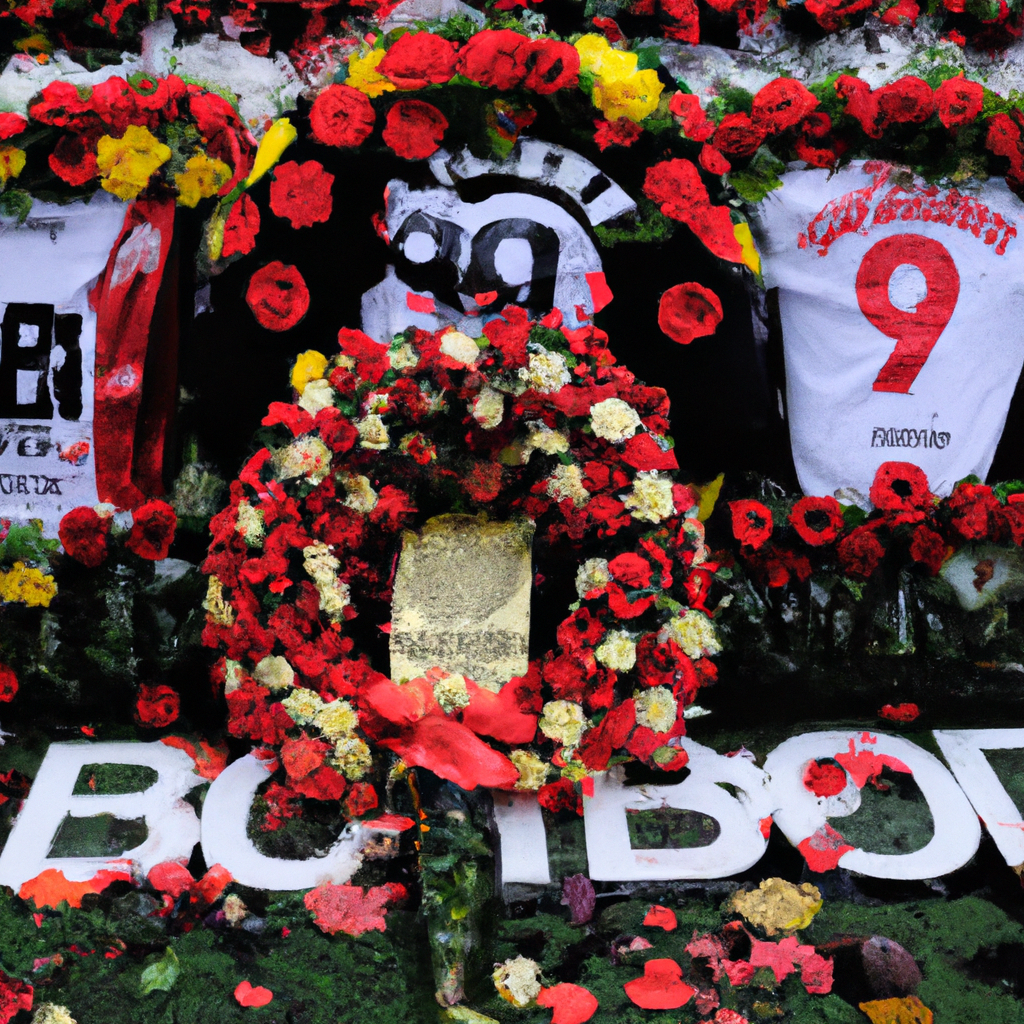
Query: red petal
column 660, row 988
column 171, row 877
column 572, row 1004
column 661, row 917
column 247, row 995
column 497, row 715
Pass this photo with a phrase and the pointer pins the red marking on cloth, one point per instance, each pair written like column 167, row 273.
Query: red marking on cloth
column 823, row 849
column 419, row 303
column 588, row 786
column 600, row 293
column 865, row 766
column 916, row 331
column 765, row 825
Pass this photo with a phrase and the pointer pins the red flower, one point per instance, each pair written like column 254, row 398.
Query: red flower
column 74, row 157
column 622, row 132
column 824, row 779
column 689, row 311
column 495, row 58
column 341, row 116
column 830, row 13
column 751, row 522
column 899, row 713
column 817, row 520
column 660, row 988
column 552, row 65
column 560, row 796
column 241, row 227
column 782, row 104
column 418, row 59
column 60, row 105
column 900, row 486
column 712, row 161
column 690, row 116
column 737, row 135
column 11, row 125
column 361, row 799
column 157, row 706
column 958, row 101
column 15, row 995
column 414, row 129
column 277, row 296
column 8, row 683
column 302, row 193
column 908, row 100
column 860, row 552
column 153, row 526
column 815, row 145
column 682, row 20
column 371, row 359
column 972, row 506
column 253, row 713
column 84, row 535
column 928, row 548
column 631, row 569
column 1003, row 139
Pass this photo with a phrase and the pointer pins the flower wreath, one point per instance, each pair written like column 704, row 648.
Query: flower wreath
column 529, row 421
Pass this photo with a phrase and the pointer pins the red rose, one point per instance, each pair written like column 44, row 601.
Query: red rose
column 113, row 100
column 8, row 683
column 902, row 12
column 84, row 535
column 153, row 526
column 341, row 116
column 860, row 552
column 972, row 505
column 11, row 124
column 906, row 101
column 900, row 487
column 496, row 58
column 622, row 132
column 736, row 135
column 782, row 104
column 157, row 706
column 958, row 101
column 690, row 116
column 712, row 161
column 689, row 311
column 277, row 296
column 241, row 227
column 74, row 157
column 61, row 105
column 371, row 359
column 817, row 521
column 302, row 193
column 552, row 65
column 418, row 59
column 414, row 129
column 928, row 548
column 751, row 522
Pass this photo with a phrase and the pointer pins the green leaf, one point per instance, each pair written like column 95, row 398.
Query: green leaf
column 15, row 202
column 160, row 976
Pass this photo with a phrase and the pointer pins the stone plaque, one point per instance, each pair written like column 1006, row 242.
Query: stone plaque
column 462, row 600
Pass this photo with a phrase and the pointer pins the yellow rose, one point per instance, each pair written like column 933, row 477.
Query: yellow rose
column 364, row 76
column 308, row 367
column 203, row 177
column 127, row 164
column 619, row 89
column 12, row 162
column 278, row 137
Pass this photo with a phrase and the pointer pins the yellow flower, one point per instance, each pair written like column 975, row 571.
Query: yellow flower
column 203, row 177
column 778, row 905
column 279, row 136
column 12, row 162
column 364, row 76
column 308, row 367
column 27, row 586
column 215, row 235
column 749, row 256
column 619, row 89
column 126, row 164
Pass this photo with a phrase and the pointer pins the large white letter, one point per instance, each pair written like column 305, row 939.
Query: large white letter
column 524, row 842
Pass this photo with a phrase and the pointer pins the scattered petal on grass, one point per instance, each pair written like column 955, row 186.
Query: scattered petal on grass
column 660, row 988
column 908, row 1010
column 661, row 917
column 347, row 908
column 572, row 1004
column 50, row 887
column 250, row 995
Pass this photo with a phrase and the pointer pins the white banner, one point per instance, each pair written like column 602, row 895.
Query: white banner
column 902, row 309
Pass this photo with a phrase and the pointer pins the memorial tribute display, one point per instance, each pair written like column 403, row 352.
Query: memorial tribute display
column 511, row 511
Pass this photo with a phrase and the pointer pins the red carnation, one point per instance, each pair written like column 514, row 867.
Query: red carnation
column 860, row 552
column 552, row 65
column 824, row 778
column 689, row 311
column 751, row 522
column 277, row 296
column 738, row 136
column 241, row 227
column 782, row 104
column 712, row 161
column 341, row 116
column 900, row 487
column 302, row 193
column 902, row 12
column 84, row 535
column 496, row 58
column 908, row 100
column 560, row 796
column 972, row 506
column 153, row 526
column 414, row 129
column 74, row 157
column 8, row 683
column 11, row 124
column 690, row 116
column 958, row 101
column 928, row 548
column 622, row 132
column 157, row 706
column 418, row 59
column 817, row 521
column 371, row 358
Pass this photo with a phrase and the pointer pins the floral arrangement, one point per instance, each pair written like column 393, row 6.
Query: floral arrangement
column 129, row 137
column 528, row 421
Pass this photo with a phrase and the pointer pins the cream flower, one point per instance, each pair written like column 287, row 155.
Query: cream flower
column 274, row 672
column 218, row 611
column 336, row 720
column 593, row 574
column 563, row 721
column 541, row 438
column 234, row 909
column 234, row 675
column 451, row 693
column 352, row 757
column 695, row 634
column 316, row 395
column 359, row 495
column 460, row 347
column 651, row 497
column 306, row 456
column 51, row 1013
column 518, row 981
column 373, row 433
column 250, row 524
column 533, row 772
column 567, row 482
column 614, row 420
column 656, row 708
column 546, row 372
column 302, row 705
column 403, row 357
column 322, row 567
column 617, row 652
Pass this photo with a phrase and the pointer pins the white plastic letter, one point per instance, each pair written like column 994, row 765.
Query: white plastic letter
column 524, row 842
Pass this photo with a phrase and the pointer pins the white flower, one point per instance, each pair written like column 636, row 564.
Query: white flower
column 567, row 482
column 651, row 497
column 563, row 721
column 373, row 433
column 488, row 408
column 460, row 347
column 322, row 567
column 274, row 672
column 352, row 757
column 614, row 420
column 234, row 675
column 617, row 651
column 336, row 720
column 542, row 438
column 51, row 1013
column 234, row 909
column 546, row 372
column 302, row 705
column 316, row 395
column 359, row 495
column 533, row 772
column 656, row 708
column 593, row 574
column 305, row 456
column 403, row 357
column 250, row 524
column 451, row 693
column 695, row 634
column 518, row 981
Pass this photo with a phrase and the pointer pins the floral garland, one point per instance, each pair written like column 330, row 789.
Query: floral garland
column 528, row 421
column 130, row 137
